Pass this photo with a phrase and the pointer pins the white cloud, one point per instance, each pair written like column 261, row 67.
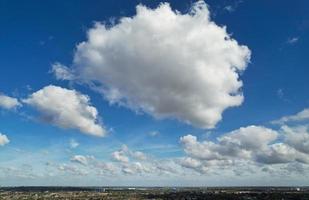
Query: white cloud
column 249, row 138
column 8, row 102
column 293, row 40
column 138, row 155
column 281, row 153
column 241, row 143
column 229, row 8
column 105, row 167
column 73, row 144
column 3, row 139
column 89, row 162
column 120, row 156
column 232, row 7
column 154, row 133
column 124, row 154
column 127, row 163
column 300, row 116
column 62, row 72
column 190, row 163
column 79, row 159
column 67, row 109
column 165, row 63
column 138, row 163
column 135, row 168
column 73, row 170
column 253, row 145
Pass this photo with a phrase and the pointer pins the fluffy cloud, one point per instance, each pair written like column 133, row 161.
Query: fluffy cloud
column 8, row 102
column 126, row 163
column 81, row 159
column 281, row 153
column 150, row 167
column 90, row 162
column 297, row 138
column 120, row 156
column 123, row 155
column 137, row 163
column 3, row 140
column 165, row 63
column 67, row 109
column 253, row 145
column 190, row 163
column 240, row 143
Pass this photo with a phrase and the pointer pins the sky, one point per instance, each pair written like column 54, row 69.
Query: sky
column 151, row 93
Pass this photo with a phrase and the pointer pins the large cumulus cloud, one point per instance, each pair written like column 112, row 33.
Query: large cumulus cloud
column 165, row 63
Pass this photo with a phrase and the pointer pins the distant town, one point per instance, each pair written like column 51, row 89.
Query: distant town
column 155, row 193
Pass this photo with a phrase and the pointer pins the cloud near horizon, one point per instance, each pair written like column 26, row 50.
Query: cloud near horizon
column 252, row 146
column 124, row 154
column 165, row 63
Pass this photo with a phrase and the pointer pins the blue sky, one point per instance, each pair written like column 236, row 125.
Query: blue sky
column 72, row 72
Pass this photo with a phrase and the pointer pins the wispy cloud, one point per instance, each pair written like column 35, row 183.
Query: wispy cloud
column 73, row 144
column 233, row 6
column 292, row 40
column 154, row 133
column 300, row 116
